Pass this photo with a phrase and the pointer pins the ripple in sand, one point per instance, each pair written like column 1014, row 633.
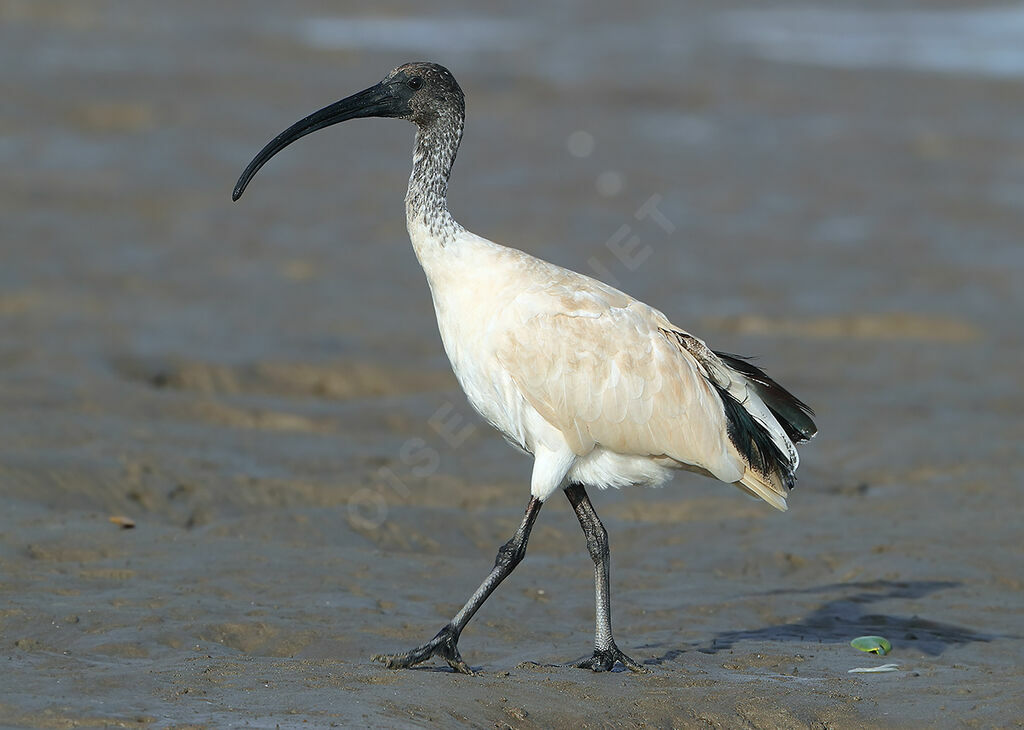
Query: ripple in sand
column 339, row 381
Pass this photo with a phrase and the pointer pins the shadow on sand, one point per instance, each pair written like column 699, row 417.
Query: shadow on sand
column 843, row 618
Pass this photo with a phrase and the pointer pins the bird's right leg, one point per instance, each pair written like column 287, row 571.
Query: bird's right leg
column 445, row 643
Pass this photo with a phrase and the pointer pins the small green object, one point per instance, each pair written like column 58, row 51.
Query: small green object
column 872, row 644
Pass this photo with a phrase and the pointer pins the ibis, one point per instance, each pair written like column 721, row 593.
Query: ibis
column 600, row 388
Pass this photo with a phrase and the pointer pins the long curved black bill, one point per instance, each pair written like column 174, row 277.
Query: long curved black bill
column 377, row 101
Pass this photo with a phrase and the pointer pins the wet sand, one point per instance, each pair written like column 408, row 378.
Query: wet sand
column 260, row 386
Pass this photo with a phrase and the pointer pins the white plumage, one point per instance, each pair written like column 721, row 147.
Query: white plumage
column 587, row 379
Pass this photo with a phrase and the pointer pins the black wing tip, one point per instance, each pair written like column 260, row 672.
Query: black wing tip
column 752, row 440
column 792, row 413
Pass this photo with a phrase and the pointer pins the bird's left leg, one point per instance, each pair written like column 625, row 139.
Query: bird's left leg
column 445, row 643
column 606, row 653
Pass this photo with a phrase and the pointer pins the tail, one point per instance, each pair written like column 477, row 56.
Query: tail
column 765, row 440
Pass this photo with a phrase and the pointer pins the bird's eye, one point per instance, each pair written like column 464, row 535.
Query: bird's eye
column 415, row 82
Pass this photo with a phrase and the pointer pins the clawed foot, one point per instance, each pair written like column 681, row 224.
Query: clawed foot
column 444, row 645
column 604, row 661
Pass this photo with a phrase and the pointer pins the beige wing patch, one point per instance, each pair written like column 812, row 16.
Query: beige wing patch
column 608, row 376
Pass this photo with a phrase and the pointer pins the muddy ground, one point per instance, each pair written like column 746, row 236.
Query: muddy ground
column 261, row 389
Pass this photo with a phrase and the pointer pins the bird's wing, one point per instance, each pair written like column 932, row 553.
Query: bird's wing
column 605, row 370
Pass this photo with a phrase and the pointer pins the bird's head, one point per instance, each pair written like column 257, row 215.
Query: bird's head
column 421, row 92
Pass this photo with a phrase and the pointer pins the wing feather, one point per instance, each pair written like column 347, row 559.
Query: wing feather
column 601, row 370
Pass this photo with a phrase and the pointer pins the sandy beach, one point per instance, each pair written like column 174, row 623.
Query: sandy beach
column 260, row 390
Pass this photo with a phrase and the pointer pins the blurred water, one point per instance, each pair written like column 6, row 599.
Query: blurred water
column 982, row 40
column 427, row 35
column 987, row 41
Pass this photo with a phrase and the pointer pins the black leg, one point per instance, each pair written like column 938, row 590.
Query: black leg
column 445, row 643
column 606, row 653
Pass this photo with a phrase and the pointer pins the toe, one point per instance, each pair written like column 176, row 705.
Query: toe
column 459, row 665
column 391, row 661
column 597, row 662
column 630, row 663
column 634, row 666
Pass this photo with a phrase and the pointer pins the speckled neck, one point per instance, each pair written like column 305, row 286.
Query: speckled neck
column 426, row 201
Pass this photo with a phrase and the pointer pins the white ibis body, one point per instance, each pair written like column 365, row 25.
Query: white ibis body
column 600, row 388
